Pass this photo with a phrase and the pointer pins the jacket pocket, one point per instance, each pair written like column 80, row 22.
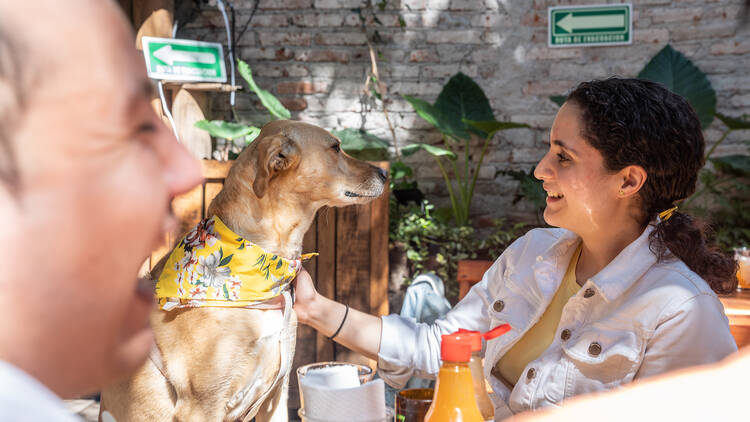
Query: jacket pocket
column 603, row 358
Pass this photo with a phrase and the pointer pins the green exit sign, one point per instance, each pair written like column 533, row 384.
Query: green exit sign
column 184, row 60
column 575, row 26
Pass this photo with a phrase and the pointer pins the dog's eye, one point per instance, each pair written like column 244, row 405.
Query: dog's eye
column 336, row 148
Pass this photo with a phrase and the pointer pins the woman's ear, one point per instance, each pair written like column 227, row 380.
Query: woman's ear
column 633, row 179
column 276, row 154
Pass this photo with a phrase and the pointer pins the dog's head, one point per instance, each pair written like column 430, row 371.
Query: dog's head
column 295, row 158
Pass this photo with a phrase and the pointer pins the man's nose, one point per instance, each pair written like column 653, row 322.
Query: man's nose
column 182, row 171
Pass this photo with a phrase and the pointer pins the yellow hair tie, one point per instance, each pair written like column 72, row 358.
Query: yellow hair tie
column 665, row 215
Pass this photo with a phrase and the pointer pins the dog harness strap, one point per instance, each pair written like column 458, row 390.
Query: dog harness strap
column 157, row 360
column 239, row 407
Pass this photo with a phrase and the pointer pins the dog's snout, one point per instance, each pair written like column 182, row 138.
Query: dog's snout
column 383, row 173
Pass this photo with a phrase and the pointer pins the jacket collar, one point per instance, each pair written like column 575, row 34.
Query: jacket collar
column 627, row 268
column 613, row 280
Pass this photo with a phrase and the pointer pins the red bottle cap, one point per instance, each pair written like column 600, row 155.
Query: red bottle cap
column 475, row 338
column 496, row 332
column 455, row 347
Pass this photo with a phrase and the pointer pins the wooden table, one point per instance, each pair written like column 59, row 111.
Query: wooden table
column 737, row 308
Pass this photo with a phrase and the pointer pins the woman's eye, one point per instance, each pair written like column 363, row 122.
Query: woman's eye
column 336, row 148
column 561, row 157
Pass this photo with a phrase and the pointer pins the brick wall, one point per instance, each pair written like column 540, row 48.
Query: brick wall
column 313, row 55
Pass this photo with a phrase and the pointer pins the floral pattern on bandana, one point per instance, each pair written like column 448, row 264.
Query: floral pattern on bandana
column 212, row 266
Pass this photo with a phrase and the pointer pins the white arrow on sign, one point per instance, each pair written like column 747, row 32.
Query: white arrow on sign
column 169, row 56
column 569, row 22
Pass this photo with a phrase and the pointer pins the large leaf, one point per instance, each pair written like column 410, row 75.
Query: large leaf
column 463, row 99
column 358, row 140
column 490, row 127
column 445, row 124
column 399, row 170
column 270, row 102
column 558, row 99
column 529, row 188
column 738, row 165
column 733, row 123
column 679, row 74
column 436, row 151
column 362, row 145
column 227, row 130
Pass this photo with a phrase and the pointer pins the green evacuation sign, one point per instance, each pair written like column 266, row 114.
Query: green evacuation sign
column 574, row 26
column 184, row 60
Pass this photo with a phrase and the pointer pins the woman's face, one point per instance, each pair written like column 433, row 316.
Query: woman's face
column 581, row 193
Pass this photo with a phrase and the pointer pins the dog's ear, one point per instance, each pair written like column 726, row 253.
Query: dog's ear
column 276, row 153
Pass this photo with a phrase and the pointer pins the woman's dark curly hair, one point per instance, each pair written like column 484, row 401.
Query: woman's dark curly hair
column 637, row 122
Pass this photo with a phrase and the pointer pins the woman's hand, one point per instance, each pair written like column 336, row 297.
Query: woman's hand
column 305, row 296
column 356, row 330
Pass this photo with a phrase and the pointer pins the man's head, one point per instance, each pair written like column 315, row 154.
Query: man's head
column 87, row 171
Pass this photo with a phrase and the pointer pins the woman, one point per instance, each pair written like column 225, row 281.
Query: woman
column 622, row 290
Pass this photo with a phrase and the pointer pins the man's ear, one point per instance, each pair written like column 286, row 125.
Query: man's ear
column 276, row 154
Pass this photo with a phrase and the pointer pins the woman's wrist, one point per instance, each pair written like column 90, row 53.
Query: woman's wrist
column 306, row 310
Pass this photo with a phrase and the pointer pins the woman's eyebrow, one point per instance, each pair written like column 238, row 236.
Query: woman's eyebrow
column 561, row 144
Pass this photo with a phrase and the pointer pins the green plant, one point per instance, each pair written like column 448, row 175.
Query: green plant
column 724, row 195
column 461, row 113
column 363, row 145
column 530, row 189
column 432, row 244
column 232, row 137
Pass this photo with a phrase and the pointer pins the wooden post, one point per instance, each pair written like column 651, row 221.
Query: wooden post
column 188, row 107
column 152, row 18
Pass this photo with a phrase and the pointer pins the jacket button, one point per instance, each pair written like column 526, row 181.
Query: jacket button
column 565, row 335
column 595, row 348
column 588, row 293
column 498, row 306
column 530, row 374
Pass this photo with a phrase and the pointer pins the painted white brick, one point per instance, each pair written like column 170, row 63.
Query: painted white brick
column 337, row 4
column 676, row 14
column 455, row 37
column 502, row 44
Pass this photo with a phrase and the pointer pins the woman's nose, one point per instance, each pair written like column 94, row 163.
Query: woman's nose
column 542, row 170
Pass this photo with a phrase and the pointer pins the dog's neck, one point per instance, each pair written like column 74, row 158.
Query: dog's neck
column 276, row 222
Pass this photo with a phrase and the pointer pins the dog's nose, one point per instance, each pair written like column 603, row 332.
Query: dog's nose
column 383, row 173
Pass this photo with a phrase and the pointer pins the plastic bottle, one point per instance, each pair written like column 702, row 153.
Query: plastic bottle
column 454, row 394
column 477, row 375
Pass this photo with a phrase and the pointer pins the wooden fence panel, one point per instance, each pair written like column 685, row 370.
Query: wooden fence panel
column 325, row 277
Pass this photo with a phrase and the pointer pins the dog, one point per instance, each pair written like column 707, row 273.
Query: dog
column 233, row 363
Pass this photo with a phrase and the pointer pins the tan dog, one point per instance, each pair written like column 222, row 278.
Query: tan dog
column 231, row 371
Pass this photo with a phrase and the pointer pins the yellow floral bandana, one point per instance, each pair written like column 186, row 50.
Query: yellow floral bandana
column 213, row 266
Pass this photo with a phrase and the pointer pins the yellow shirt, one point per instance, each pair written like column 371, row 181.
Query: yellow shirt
column 540, row 336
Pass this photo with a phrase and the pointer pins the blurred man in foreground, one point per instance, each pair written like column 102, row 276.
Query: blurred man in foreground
column 709, row 393
column 87, row 172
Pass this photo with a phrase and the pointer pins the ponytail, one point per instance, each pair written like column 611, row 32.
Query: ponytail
column 687, row 239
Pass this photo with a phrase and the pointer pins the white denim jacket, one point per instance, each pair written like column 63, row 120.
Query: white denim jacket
column 634, row 319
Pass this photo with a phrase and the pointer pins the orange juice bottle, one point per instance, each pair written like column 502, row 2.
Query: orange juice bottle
column 454, row 399
column 475, row 364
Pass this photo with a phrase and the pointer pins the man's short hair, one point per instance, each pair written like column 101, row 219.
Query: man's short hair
column 13, row 93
